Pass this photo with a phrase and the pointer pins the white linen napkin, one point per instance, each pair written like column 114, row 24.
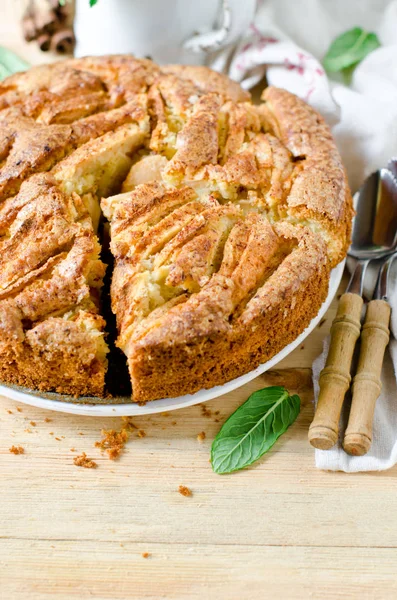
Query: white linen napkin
column 383, row 452
column 287, row 41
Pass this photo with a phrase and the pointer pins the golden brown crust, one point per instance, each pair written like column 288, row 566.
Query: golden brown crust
column 274, row 316
column 50, row 334
column 207, row 81
column 228, row 223
column 320, row 190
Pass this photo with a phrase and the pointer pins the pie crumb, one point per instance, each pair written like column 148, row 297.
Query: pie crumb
column 205, row 411
column 185, row 491
column 113, row 442
column 201, row 437
column 146, row 554
column 129, row 425
column 17, row 450
column 47, row 420
column 32, row 423
column 83, row 461
column 141, row 433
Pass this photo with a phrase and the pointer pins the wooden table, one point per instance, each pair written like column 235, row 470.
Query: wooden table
column 279, row 529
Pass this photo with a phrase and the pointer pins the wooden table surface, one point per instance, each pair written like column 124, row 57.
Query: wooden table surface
column 278, row 529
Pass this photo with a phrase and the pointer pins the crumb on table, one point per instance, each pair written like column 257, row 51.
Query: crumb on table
column 128, row 424
column 83, row 461
column 201, row 436
column 185, row 491
column 17, row 450
column 113, row 442
column 205, row 411
column 146, row 554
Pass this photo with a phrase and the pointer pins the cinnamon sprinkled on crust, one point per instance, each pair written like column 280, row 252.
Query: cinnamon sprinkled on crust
column 83, row 461
column 17, row 450
column 184, row 491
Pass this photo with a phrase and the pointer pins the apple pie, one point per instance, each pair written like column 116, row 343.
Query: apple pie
column 223, row 220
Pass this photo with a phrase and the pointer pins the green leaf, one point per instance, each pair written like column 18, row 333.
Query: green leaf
column 349, row 49
column 93, row 2
column 253, row 429
column 10, row 63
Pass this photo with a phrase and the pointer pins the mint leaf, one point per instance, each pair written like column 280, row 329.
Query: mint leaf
column 10, row 63
column 93, row 2
column 253, row 429
column 349, row 49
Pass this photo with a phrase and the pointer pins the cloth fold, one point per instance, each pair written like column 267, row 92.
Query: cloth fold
column 287, row 41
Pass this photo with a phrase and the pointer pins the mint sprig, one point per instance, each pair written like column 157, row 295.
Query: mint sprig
column 10, row 63
column 253, row 429
column 350, row 48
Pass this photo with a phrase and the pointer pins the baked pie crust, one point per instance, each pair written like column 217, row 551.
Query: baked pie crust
column 225, row 221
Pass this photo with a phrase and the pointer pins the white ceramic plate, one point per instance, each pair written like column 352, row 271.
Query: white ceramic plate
column 57, row 402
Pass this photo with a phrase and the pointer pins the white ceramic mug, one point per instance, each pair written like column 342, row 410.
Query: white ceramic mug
column 168, row 31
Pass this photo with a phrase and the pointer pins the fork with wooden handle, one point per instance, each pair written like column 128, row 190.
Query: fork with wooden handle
column 335, row 377
column 374, row 236
column 367, row 385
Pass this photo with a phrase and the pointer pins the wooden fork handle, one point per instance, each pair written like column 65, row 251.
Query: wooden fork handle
column 367, row 385
column 335, row 377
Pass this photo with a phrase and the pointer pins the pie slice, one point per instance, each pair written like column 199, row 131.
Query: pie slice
column 51, row 332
